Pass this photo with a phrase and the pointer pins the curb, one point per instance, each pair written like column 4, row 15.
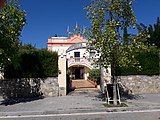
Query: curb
column 107, row 110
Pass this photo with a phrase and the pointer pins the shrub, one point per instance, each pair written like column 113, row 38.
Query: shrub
column 32, row 64
column 94, row 74
column 149, row 62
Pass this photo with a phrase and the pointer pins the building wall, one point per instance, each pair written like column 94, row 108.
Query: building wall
column 57, row 48
column 56, row 43
column 62, row 80
column 83, row 52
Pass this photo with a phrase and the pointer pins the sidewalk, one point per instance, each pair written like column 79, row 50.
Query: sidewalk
column 85, row 101
column 81, row 101
column 139, row 102
column 145, row 102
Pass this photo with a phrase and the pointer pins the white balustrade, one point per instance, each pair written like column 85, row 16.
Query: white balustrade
column 79, row 61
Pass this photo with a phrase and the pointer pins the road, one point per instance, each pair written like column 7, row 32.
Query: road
column 134, row 115
column 82, row 105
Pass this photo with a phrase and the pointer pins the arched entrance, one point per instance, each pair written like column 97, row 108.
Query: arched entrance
column 79, row 77
column 78, row 72
column 79, row 65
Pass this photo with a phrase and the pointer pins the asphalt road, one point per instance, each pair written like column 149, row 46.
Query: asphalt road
column 136, row 115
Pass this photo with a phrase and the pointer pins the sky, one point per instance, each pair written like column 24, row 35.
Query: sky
column 45, row 18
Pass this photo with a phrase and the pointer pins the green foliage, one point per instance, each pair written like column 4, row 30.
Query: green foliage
column 32, row 63
column 49, row 61
column 148, row 61
column 154, row 34
column 110, row 21
column 94, row 74
column 12, row 20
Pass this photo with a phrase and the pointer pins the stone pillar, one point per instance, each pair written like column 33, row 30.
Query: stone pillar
column 105, row 77
column 62, row 81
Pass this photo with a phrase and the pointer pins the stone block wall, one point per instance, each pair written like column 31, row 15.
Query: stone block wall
column 142, row 84
column 49, row 87
column 29, row 87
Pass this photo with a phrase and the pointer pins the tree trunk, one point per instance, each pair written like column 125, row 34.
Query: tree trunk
column 114, row 79
column 114, row 88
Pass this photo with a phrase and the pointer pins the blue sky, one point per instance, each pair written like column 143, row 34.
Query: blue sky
column 50, row 17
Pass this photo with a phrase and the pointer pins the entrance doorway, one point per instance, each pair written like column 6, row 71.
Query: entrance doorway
column 77, row 73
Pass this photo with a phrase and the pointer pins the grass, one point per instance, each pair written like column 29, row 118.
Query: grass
column 118, row 105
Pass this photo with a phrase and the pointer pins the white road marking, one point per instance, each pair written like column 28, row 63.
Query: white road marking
column 79, row 114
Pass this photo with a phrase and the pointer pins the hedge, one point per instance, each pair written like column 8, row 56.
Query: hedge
column 32, row 64
column 149, row 62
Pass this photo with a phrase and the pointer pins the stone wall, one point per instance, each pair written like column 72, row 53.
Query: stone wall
column 142, row 84
column 50, row 87
column 29, row 87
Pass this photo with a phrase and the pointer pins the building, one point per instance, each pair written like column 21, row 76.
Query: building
column 78, row 58
column 75, row 60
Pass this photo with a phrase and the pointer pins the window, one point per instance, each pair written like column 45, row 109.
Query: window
column 91, row 54
column 76, row 54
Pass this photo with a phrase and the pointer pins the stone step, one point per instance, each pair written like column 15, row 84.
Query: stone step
column 79, row 84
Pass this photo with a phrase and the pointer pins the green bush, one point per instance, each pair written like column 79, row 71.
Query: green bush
column 33, row 63
column 149, row 62
column 49, row 61
column 94, row 74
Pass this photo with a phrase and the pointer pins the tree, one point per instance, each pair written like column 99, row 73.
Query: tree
column 154, row 34
column 110, row 22
column 12, row 20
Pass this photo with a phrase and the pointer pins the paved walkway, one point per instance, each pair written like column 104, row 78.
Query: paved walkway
column 75, row 102
column 78, row 101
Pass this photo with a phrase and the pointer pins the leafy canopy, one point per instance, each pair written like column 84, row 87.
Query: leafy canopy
column 110, row 22
column 12, row 20
column 154, row 31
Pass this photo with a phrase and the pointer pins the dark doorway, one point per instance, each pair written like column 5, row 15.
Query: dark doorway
column 77, row 73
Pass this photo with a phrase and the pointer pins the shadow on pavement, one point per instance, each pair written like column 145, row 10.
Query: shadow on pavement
column 131, row 96
column 13, row 101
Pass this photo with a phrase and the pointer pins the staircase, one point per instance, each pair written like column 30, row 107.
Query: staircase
column 83, row 84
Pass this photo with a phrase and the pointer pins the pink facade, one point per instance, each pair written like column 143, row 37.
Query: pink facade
column 64, row 41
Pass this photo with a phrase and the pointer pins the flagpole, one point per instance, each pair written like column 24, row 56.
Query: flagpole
column 68, row 30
